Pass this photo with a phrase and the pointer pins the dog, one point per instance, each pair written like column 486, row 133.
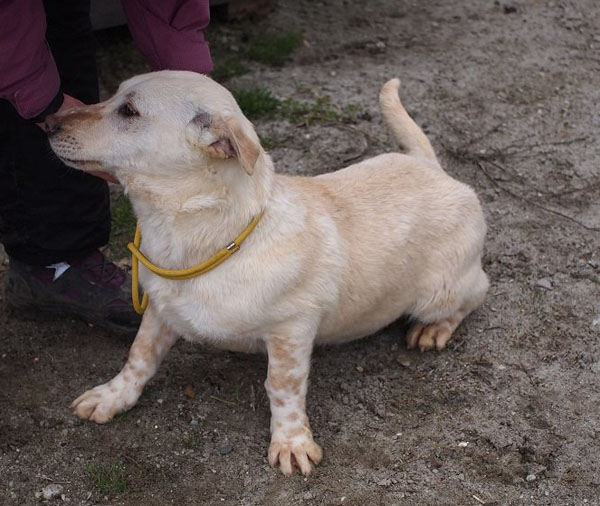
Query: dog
column 333, row 258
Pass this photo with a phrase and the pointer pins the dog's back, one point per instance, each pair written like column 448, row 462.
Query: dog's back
column 420, row 230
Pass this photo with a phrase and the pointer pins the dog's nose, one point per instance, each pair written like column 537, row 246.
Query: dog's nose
column 52, row 124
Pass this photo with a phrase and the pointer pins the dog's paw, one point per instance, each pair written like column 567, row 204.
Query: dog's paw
column 102, row 403
column 302, row 452
column 428, row 337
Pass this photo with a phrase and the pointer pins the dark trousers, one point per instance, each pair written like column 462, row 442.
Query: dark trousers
column 48, row 211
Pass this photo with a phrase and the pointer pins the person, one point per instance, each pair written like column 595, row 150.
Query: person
column 54, row 219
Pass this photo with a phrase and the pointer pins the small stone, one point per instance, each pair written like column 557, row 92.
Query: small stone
column 531, row 477
column 463, row 444
column 386, row 482
column 544, row 283
column 307, row 496
column 360, row 368
column 50, row 492
column 226, row 449
column 404, row 362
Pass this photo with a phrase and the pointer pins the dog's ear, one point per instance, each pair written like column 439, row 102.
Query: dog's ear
column 235, row 138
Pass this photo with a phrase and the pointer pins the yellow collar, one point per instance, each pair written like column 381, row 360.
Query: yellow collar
column 177, row 274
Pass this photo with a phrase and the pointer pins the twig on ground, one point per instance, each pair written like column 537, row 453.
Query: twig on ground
column 252, row 398
column 478, row 138
column 47, row 478
column 521, row 367
column 516, row 150
column 131, row 459
column 222, row 400
column 522, row 147
column 528, row 201
column 363, row 136
column 523, row 181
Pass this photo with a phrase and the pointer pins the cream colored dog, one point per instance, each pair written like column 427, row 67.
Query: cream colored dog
column 334, row 257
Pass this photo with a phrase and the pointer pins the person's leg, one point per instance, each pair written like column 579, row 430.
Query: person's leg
column 51, row 214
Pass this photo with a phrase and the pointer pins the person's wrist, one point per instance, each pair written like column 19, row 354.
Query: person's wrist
column 52, row 107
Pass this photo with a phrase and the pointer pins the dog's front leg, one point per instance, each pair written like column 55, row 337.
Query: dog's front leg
column 286, row 384
column 151, row 344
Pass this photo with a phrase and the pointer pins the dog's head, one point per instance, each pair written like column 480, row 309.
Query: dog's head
column 159, row 124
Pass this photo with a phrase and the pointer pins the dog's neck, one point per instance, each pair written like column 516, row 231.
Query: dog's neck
column 185, row 220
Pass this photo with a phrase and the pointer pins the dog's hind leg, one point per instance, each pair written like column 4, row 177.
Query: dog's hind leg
column 433, row 330
column 151, row 344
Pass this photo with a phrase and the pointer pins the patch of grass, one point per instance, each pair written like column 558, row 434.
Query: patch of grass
column 195, row 443
column 228, row 68
column 256, row 102
column 107, row 478
column 122, row 214
column 122, row 227
column 269, row 142
column 261, row 103
column 273, row 48
column 320, row 111
column 308, row 113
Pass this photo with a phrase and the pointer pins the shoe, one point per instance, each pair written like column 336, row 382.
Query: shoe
column 91, row 289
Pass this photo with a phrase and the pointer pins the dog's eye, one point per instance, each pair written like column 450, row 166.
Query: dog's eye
column 128, row 110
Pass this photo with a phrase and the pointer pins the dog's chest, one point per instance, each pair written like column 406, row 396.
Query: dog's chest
column 236, row 300
column 197, row 310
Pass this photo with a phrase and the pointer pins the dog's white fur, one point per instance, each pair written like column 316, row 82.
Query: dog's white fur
column 334, row 258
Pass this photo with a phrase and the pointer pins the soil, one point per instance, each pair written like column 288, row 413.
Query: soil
column 508, row 414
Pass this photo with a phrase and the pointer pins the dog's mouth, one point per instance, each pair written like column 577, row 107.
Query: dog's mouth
column 92, row 164
column 89, row 166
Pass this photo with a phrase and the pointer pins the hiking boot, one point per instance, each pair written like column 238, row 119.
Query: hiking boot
column 90, row 288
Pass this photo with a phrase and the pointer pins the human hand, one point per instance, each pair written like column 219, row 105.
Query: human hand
column 69, row 102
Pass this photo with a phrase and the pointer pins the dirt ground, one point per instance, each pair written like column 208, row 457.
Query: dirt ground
column 509, row 414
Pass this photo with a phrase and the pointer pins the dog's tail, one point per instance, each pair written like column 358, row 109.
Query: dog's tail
column 405, row 130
